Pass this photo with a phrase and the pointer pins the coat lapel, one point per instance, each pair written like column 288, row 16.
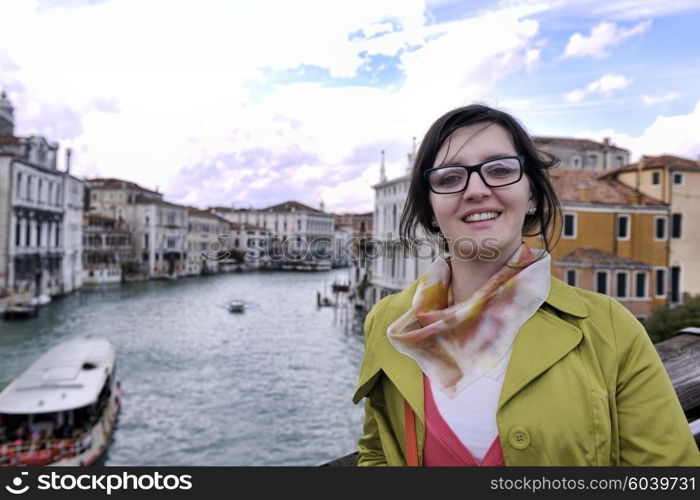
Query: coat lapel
column 543, row 340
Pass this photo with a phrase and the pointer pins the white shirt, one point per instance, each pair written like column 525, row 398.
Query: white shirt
column 471, row 414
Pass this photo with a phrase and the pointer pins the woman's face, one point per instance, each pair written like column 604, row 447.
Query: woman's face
column 481, row 219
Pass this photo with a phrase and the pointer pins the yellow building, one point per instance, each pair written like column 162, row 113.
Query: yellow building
column 614, row 239
column 675, row 181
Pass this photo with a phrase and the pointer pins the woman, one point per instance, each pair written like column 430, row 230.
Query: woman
column 487, row 359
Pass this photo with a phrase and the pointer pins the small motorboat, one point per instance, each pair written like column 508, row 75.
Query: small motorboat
column 236, row 306
column 20, row 311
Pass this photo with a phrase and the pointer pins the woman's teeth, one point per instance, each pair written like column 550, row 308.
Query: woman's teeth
column 481, row 216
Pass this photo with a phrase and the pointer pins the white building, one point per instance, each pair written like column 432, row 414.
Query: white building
column 160, row 238
column 73, row 200
column 393, row 268
column 32, row 202
column 301, row 235
column 250, row 241
column 207, row 234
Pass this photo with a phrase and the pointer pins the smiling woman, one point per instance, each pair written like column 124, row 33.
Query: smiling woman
column 489, row 360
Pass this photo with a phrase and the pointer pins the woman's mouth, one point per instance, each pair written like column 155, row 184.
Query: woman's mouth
column 481, row 216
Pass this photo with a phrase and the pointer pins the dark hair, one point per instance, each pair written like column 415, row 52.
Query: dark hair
column 418, row 210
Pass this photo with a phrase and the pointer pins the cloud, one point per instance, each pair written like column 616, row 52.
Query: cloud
column 183, row 96
column 602, row 36
column 651, row 100
column 605, row 85
column 676, row 135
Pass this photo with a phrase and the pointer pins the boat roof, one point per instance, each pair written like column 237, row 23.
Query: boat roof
column 68, row 376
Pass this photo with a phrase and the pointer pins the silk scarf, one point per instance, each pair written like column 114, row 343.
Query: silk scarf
column 457, row 344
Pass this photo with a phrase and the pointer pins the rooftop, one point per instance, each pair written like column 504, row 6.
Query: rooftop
column 569, row 184
column 572, row 142
column 600, row 258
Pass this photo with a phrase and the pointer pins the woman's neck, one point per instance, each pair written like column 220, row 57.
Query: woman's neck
column 469, row 275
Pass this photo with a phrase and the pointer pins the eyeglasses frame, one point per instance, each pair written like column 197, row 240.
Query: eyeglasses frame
column 477, row 169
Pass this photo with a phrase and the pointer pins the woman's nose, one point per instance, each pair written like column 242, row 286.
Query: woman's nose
column 476, row 189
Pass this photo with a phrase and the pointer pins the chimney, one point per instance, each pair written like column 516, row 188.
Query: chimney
column 606, row 142
column 68, row 153
column 585, row 190
column 635, row 197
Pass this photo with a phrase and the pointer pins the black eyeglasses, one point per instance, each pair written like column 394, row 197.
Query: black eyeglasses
column 494, row 173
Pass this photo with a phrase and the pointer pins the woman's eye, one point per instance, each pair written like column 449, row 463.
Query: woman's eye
column 450, row 179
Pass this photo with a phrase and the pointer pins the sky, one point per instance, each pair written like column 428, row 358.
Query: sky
column 250, row 103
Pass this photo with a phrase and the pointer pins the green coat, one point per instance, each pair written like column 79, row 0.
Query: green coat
column 584, row 386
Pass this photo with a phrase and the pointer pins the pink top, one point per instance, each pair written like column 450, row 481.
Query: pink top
column 444, row 448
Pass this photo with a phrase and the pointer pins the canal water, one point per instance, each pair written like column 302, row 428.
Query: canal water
column 203, row 386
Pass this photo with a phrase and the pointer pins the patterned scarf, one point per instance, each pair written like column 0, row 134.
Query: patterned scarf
column 458, row 344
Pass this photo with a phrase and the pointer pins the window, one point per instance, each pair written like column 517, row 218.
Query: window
column 17, row 235
column 27, row 234
column 655, row 178
column 623, row 230
column 58, row 233
column 677, row 179
column 571, row 277
column 19, row 184
column 621, row 284
column 601, row 282
column 39, row 228
column 575, row 162
column 591, row 162
column 640, row 284
column 676, row 226
column 660, row 276
column 675, row 284
column 29, row 188
column 569, row 225
column 659, row 228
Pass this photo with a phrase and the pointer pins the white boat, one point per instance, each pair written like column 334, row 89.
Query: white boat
column 236, row 306
column 40, row 300
column 63, row 409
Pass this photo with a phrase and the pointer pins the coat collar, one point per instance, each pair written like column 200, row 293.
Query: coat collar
column 542, row 341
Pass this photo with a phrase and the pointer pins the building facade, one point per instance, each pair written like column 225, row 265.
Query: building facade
column 611, row 231
column 584, row 154
column 675, row 181
column 73, row 200
column 32, row 227
column 206, row 238
column 301, row 236
column 107, row 249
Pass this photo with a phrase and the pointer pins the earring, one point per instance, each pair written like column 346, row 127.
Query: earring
column 434, row 223
column 531, row 211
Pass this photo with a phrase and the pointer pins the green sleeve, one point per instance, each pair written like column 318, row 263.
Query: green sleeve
column 652, row 427
column 370, row 448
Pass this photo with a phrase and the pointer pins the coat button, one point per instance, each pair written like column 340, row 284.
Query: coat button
column 519, row 438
